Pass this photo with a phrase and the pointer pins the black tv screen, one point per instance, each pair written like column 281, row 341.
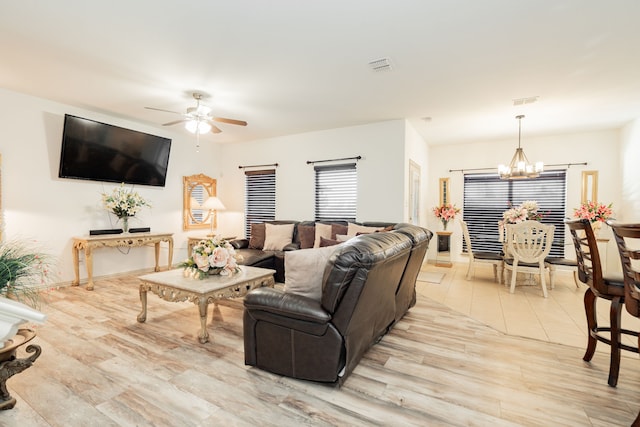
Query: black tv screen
column 101, row 152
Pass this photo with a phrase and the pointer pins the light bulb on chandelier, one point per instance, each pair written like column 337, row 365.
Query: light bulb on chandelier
column 519, row 167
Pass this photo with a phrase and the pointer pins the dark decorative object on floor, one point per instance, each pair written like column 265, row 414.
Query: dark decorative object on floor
column 11, row 365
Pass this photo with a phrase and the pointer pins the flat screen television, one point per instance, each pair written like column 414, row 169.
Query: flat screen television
column 101, row 152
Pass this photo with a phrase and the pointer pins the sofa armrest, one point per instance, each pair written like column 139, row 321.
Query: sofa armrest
column 239, row 243
column 291, row 247
column 280, row 303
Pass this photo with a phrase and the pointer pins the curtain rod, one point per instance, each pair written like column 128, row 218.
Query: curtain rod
column 568, row 165
column 309, row 162
column 257, row 166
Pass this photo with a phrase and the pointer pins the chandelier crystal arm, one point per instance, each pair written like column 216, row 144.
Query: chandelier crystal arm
column 519, row 167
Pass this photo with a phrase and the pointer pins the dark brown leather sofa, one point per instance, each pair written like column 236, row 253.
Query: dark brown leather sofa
column 368, row 285
column 257, row 257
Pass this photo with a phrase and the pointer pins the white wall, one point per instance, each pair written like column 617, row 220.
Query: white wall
column 39, row 206
column 381, row 172
column 599, row 149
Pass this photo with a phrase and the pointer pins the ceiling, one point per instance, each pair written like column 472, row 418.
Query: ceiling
column 292, row 66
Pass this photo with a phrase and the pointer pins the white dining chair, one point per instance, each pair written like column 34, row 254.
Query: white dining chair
column 481, row 257
column 529, row 243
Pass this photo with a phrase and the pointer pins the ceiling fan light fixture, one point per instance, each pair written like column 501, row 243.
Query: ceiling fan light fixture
column 197, row 126
column 520, row 167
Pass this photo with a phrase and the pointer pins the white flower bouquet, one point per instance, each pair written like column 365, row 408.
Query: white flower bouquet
column 123, row 202
column 213, row 256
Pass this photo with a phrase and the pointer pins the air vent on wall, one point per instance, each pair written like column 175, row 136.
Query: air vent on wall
column 382, row 64
column 523, row 101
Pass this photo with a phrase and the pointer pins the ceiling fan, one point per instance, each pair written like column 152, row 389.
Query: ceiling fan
column 198, row 119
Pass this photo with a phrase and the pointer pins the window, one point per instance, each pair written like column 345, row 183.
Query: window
column 260, row 197
column 486, row 197
column 336, row 192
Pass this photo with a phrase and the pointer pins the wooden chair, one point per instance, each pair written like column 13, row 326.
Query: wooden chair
column 624, row 234
column 481, row 257
column 529, row 243
column 610, row 288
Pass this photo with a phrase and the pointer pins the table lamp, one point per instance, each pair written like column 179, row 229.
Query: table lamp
column 212, row 204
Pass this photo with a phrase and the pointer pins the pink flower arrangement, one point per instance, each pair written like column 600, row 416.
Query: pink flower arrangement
column 528, row 210
column 594, row 211
column 445, row 213
column 213, row 256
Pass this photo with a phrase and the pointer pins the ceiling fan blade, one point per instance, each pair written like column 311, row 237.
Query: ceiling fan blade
column 215, row 129
column 160, row 109
column 175, row 122
column 229, row 121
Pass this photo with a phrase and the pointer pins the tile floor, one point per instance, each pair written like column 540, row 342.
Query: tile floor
column 560, row 318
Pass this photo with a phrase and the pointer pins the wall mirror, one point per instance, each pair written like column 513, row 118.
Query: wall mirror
column 414, row 193
column 589, row 186
column 196, row 189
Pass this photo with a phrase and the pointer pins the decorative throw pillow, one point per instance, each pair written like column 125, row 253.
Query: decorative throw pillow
column 277, row 236
column 322, row 230
column 328, row 242
column 256, row 241
column 354, row 229
column 304, row 271
column 342, row 237
column 338, row 229
column 307, row 235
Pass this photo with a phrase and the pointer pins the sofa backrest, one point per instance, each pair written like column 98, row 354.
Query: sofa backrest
column 406, row 292
column 359, row 288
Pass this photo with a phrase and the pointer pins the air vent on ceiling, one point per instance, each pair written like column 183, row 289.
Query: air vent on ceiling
column 382, row 64
column 523, row 101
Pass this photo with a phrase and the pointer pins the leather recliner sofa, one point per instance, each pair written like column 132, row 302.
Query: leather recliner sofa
column 368, row 285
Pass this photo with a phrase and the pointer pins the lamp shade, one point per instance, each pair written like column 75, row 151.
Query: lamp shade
column 213, row 204
column 197, row 126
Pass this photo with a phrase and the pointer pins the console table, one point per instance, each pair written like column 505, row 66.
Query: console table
column 89, row 243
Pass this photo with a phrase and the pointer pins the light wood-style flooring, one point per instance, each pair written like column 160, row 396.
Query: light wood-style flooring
column 437, row 367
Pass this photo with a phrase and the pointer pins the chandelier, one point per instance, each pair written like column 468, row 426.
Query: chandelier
column 520, row 168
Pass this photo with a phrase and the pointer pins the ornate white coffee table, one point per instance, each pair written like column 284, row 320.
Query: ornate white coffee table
column 173, row 286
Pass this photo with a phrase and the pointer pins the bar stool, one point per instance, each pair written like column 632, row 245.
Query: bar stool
column 609, row 288
column 624, row 233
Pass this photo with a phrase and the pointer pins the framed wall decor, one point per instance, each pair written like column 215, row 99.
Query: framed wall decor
column 589, row 186
column 444, row 191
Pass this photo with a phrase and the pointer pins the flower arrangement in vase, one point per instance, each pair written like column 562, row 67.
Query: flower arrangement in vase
column 445, row 213
column 597, row 213
column 124, row 204
column 212, row 256
column 527, row 210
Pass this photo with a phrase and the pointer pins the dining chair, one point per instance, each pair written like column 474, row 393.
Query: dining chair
column 529, row 243
column 481, row 257
column 627, row 238
column 608, row 287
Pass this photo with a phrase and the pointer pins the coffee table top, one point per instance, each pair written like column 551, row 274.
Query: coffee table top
column 176, row 279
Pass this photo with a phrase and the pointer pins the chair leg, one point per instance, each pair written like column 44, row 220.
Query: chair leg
column 552, row 276
column 575, row 278
column 592, row 323
column 543, row 283
column 495, row 272
column 615, row 315
column 470, row 269
column 514, row 276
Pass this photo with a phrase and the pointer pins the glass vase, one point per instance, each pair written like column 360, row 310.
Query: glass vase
column 444, row 224
column 125, row 223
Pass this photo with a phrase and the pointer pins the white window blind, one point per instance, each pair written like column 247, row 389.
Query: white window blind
column 336, row 192
column 260, row 197
column 486, row 197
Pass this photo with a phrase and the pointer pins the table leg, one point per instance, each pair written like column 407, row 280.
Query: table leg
column 88, row 254
column 142, row 317
column 157, row 245
column 171, row 253
column 203, row 335
column 76, row 265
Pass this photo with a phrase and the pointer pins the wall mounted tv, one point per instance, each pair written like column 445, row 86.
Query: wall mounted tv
column 101, row 152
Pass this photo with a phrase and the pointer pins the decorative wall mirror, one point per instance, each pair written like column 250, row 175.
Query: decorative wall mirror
column 444, row 191
column 589, row 186
column 414, row 193
column 196, row 189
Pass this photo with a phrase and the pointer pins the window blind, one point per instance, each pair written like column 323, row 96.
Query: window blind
column 486, row 197
column 336, row 192
column 260, row 198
